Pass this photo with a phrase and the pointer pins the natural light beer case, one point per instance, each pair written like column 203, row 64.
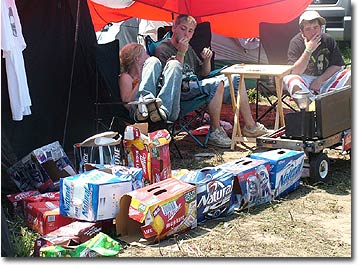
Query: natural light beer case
column 124, row 173
column 92, row 196
column 214, row 191
column 251, row 181
column 285, row 169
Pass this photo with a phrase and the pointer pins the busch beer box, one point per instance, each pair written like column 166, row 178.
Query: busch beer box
column 286, row 169
column 17, row 201
column 214, row 191
column 93, row 195
column 149, row 152
column 251, row 181
column 157, row 211
column 44, row 217
column 122, row 172
column 45, row 197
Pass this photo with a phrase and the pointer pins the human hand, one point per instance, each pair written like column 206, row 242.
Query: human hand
column 313, row 43
column 316, row 85
column 206, row 54
column 183, row 45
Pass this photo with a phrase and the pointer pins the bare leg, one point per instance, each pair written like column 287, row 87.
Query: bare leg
column 214, row 107
column 245, row 108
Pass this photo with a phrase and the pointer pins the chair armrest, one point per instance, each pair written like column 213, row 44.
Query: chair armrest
column 213, row 73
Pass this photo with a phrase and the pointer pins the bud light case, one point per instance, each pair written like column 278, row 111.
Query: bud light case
column 214, row 192
column 251, row 182
column 286, row 169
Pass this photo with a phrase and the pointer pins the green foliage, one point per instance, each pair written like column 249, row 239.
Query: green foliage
column 346, row 50
column 251, row 94
column 22, row 237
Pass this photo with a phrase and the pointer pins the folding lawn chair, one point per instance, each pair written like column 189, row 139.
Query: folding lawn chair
column 192, row 109
column 109, row 108
column 274, row 39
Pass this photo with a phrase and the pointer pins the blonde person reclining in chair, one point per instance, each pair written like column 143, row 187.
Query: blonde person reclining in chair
column 316, row 59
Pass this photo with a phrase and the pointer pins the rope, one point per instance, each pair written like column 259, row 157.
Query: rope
column 72, row 71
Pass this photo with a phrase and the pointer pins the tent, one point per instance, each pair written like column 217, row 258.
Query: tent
column 240, row 18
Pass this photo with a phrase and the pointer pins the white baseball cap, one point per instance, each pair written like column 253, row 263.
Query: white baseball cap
column 311, row 15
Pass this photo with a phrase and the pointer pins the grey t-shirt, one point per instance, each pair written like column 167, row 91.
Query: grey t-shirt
column 192, row 62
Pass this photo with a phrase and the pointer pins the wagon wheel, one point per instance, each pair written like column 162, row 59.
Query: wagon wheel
column 319, row 167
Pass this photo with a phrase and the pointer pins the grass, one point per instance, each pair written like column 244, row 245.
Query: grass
column 22, row 237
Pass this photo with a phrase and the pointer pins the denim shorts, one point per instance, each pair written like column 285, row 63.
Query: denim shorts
column 209, row 87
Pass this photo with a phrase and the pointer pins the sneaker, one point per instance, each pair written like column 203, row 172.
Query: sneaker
column 256, row 131
column 140, row 116
column 141, row 111
column 219, row 138
column 145, row 105
column 158, row 115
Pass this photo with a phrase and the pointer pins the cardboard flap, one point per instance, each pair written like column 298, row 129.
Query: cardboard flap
column 125, row 225
column 91, row 140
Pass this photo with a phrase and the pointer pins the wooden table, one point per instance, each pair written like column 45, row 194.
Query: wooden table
column 255, row 71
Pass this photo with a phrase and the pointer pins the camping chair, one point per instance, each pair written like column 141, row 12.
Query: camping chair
column 193, row 109
column 274, row 39
column 109, row 108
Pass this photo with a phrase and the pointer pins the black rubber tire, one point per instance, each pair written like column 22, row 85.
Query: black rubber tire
column 319, row 167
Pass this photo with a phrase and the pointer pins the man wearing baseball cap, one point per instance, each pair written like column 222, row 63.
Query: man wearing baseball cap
column 316, row 59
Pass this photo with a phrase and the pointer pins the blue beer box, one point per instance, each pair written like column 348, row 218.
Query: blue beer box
column 124, row 173
column 286, row 169
column 251, row 181
column 214, row 192
column 93, row 195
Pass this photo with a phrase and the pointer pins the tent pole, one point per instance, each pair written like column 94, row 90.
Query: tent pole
column 72, row 70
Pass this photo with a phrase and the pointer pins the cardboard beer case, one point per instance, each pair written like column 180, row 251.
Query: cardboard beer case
column 93, row 195
column 157, row 211
column 44, row 217
column 285, row 169
column 214, row 191
column 17, row 201
column 72, row 234
column 102, row 148
column 124, row 173
column 251, row 181
column 45, row 197
column 42, row 168
column 149, row 151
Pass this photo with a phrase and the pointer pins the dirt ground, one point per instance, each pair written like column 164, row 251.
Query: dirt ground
column 313, row 221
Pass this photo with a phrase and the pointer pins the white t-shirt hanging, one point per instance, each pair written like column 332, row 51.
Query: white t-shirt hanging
column 12, row 44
